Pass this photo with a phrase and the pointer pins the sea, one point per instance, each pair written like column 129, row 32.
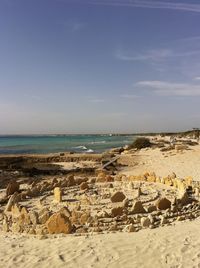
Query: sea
column 42, row 144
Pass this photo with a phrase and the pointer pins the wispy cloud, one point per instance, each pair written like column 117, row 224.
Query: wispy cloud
column 197, row 78
column 149, row 55
column 170, row 89
column 154, row 55
column 180, row 56
column 189, row 7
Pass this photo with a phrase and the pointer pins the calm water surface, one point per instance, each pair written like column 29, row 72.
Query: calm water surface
column 61, row 143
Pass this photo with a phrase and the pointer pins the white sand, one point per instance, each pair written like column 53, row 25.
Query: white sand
column 170, row 246
column 163, row 164
column 74, row 165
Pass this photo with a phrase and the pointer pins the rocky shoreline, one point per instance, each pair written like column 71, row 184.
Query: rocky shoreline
column 90, row 199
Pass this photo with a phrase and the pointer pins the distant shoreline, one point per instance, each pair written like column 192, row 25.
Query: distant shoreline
column 102, row 134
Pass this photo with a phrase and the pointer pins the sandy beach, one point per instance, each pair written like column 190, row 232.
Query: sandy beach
column 100, row 232
column 171, row 246
column 184, row 163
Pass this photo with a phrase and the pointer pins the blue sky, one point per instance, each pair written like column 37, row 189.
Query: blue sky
column 99, row 66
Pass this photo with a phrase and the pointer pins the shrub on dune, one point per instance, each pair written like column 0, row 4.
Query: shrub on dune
column 140, row 143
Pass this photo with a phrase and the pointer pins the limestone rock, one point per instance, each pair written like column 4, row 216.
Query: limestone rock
column 23, row 195
column 131, row 185
column 188, row 181
column 84, row 186
column 81, row 230
column 84, row 218
column 26, row 193
column 151, row 218
column 129, row 228
column 158, row 179
column 101, row 176
column 118, row 211
column 12, row 201
column 126, row 203
column 163, row 204
column 34, row 191
column 12, row 188
column 15, row 210
column 58, row 223
column 57, row 194
column 97, row 229
column 24, row 217
column 174, row 208
column 65, row 211
column 71, row 181
column 54, row 181
column 41, row 230
column 109, row 178
column 43, row 218
column 64, row 183
column 168, row 181
column 138, row 208
column 139, row 192
column 196, row 193
column 184, row 199
column 42, row 211
column 44, row 187
column 113, row 228
column 151, row 208
column 31, row 231
column 180, row 218
column 5, row 226
column 163, row 220
column 75, row 217
column 100, row 179
column 145, row 222
column 151, row 179
column 16, row 227
column 118, row 197
column 173, row 176
column 33, row 217
column 181, row 185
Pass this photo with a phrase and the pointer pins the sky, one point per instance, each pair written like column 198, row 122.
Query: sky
column 97, row 66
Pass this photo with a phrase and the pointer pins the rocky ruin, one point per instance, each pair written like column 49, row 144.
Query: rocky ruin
column 99, row 203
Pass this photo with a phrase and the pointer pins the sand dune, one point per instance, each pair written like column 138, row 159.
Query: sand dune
column 170, row 246
column 184, row 163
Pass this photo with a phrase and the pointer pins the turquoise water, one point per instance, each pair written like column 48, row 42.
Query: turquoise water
column 61, row 143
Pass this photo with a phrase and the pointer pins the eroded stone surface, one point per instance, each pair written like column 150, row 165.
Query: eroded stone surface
column 58, row 223
column 89, row 206
column 138, row 208
column 12, row 188
column 57, row 194
column 118, row 197
column 163, row 204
